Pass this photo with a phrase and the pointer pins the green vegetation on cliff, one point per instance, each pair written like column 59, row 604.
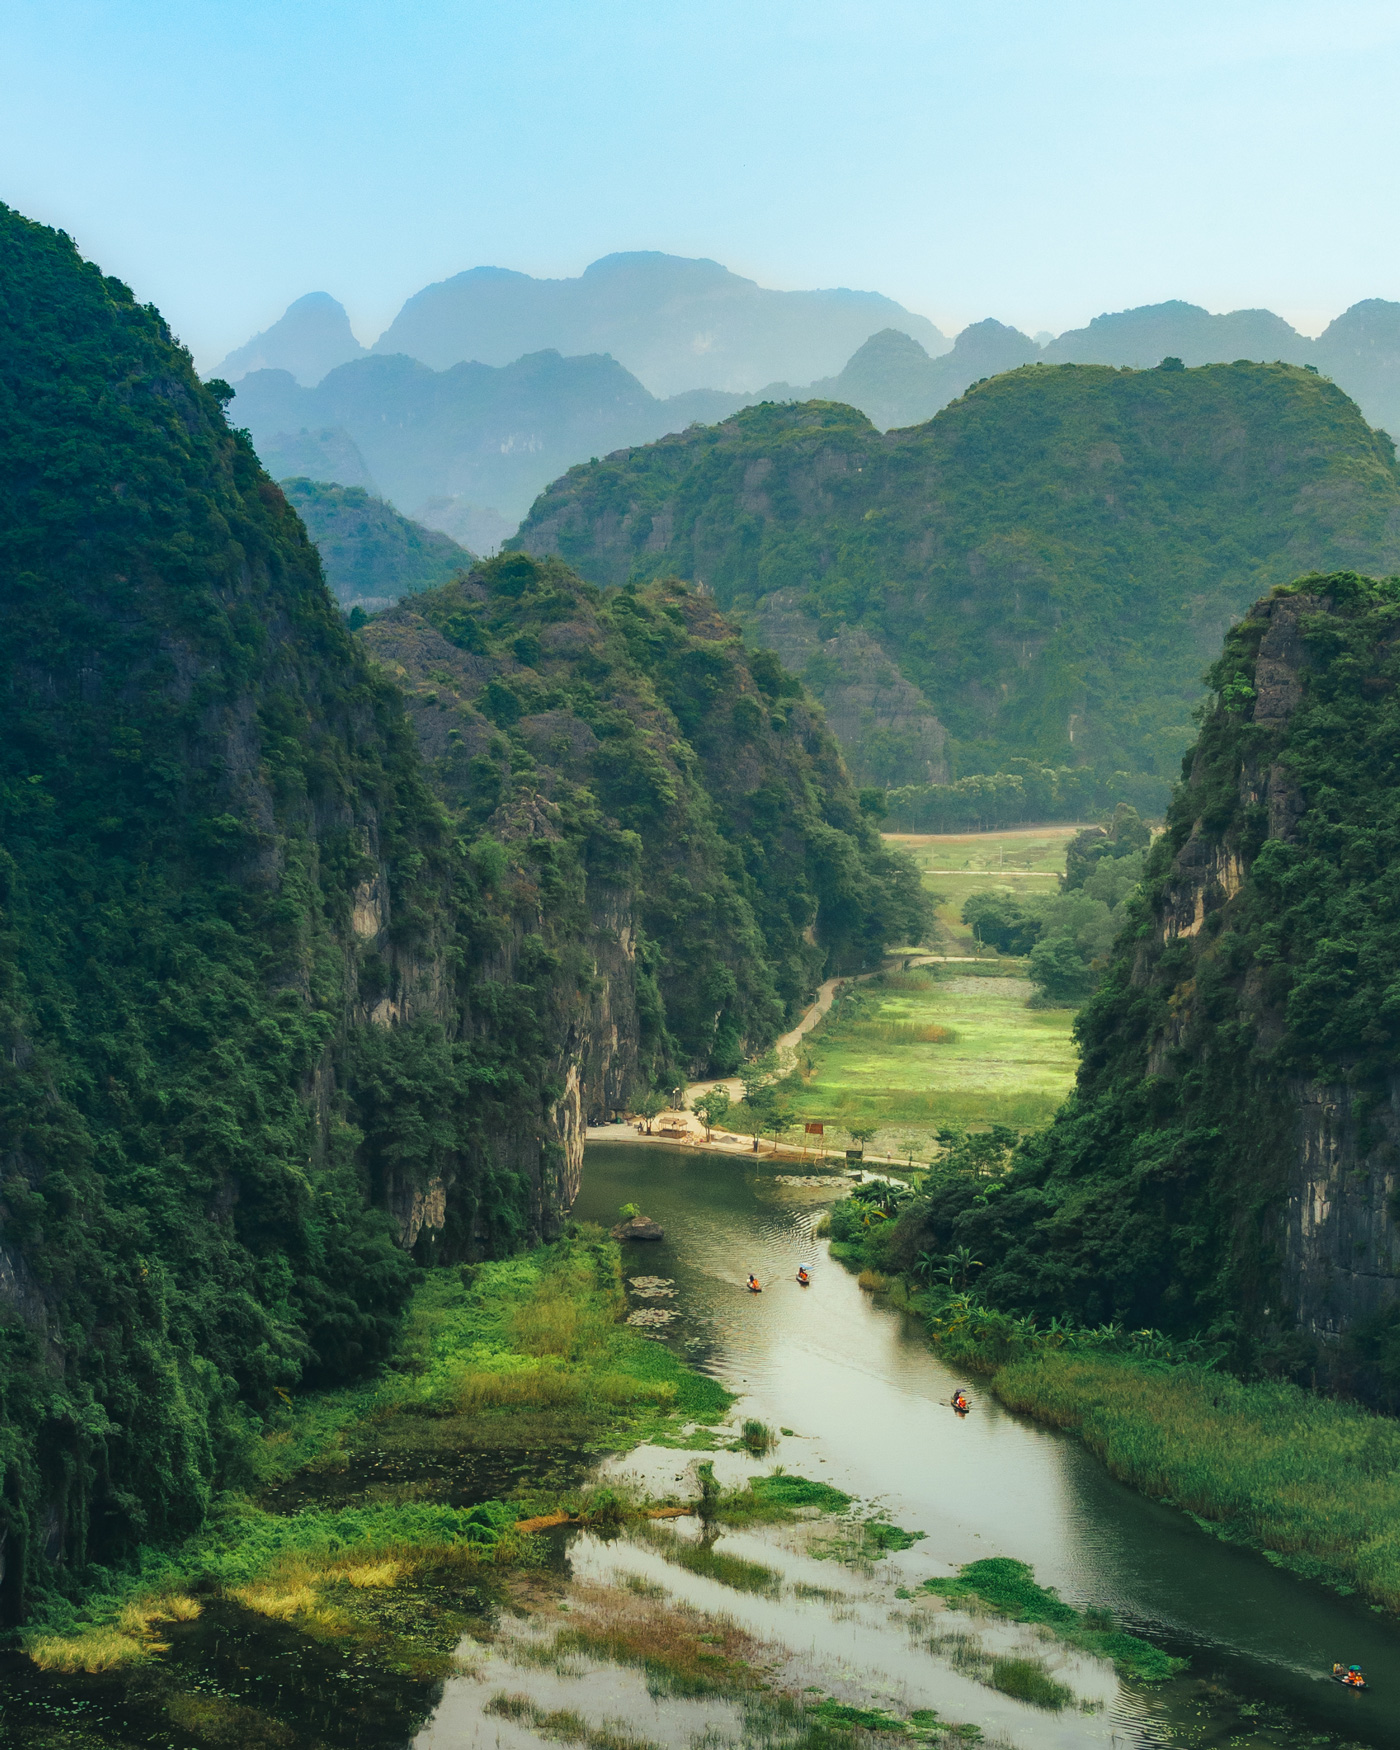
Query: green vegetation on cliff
column 273, row 1011
column 682, row 775
column 1227, row 1161
column 370, row 554
column 1052, row 560
column 194, row 760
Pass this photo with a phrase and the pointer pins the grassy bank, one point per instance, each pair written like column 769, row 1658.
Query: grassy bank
column 1312, row 1482
column 1009, row 1589
column 518, row 1356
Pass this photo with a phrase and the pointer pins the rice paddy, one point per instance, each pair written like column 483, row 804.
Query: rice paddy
column 1026, row 862
column 951, row 1046
column 910, row 1053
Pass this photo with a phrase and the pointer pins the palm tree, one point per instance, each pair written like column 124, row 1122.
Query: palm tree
column 960, row 1265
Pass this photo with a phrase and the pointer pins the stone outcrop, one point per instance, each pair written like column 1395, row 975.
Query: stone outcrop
column 887, row 729
column 640, row 1227
column 1336, row 1168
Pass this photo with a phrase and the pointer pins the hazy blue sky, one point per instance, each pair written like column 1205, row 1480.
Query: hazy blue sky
column 1040, row 162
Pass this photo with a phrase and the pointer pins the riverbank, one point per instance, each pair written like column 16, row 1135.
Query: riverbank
column 356, row 1493
column 1310, row 1482
column 388, row 1612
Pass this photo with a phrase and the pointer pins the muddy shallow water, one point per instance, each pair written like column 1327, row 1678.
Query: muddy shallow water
column 868, row 1405
column 808, row 1615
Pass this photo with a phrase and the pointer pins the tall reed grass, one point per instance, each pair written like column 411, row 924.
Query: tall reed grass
column 1312, row 1482
column 906, row 1033
column 535, row 1334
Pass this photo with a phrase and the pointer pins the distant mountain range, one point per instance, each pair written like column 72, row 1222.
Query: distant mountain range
column 490, row 385
column 313, row 337
column 1046, row 567
column 673, row 322
column 484, row 436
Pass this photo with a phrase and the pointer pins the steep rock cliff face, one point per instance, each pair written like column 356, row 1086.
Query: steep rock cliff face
column 886, row 730
column 288, row 991
column 553, row 909
column 670, row 824
column 203, row 786
column 1339, row 1236
column 1229, row 1160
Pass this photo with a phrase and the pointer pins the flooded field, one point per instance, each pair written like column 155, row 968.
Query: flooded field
column 732, row 1619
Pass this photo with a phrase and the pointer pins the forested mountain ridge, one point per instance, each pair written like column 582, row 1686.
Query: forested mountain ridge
column 200, row 777
column 1051, row 561
column 273, row 1014
column 1228, row 1162
column 370, row 554
column 689, row 781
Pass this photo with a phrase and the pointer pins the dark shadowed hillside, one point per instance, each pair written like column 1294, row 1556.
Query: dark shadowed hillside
column 1051, row 561
column 289, row 994
column 1228, row 1162
column 635, row 737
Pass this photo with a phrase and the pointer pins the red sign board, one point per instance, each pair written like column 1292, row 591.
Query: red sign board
column 814, row 1130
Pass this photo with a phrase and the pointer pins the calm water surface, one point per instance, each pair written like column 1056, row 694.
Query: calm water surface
column 868, row 1405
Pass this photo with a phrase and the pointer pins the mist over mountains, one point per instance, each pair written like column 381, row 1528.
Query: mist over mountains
column 477, row 435
column 489, row 385
column 1039, row 574
column 675, row 323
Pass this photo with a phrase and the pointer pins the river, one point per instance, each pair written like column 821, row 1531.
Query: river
column 867, row 1402
column 810, row 1608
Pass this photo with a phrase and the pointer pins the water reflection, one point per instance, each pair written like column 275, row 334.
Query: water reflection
column 867, row 1402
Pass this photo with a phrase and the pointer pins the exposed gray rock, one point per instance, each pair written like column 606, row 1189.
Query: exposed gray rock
column 641, row 1227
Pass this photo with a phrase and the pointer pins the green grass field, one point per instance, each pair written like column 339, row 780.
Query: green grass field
column 1004, row 1063
column 878, row 1059
column 1027, row 862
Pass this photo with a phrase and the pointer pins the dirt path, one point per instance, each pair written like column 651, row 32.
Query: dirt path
column 685, row 1127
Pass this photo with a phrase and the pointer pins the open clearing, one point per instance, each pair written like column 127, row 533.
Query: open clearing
column 954, row 1047
column 1026, row 861
column 1004, row 1063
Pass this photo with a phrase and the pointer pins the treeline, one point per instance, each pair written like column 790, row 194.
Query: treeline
column 1025, row 792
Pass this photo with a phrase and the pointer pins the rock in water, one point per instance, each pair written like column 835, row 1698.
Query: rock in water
column 641, row 1227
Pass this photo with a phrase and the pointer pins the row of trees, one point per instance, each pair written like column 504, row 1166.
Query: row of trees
column 1026, row 792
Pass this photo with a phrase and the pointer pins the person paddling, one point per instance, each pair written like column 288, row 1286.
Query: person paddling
column 1351, row 1675
column 960, row 1403
column 754, row 1287
column 802, row 1275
